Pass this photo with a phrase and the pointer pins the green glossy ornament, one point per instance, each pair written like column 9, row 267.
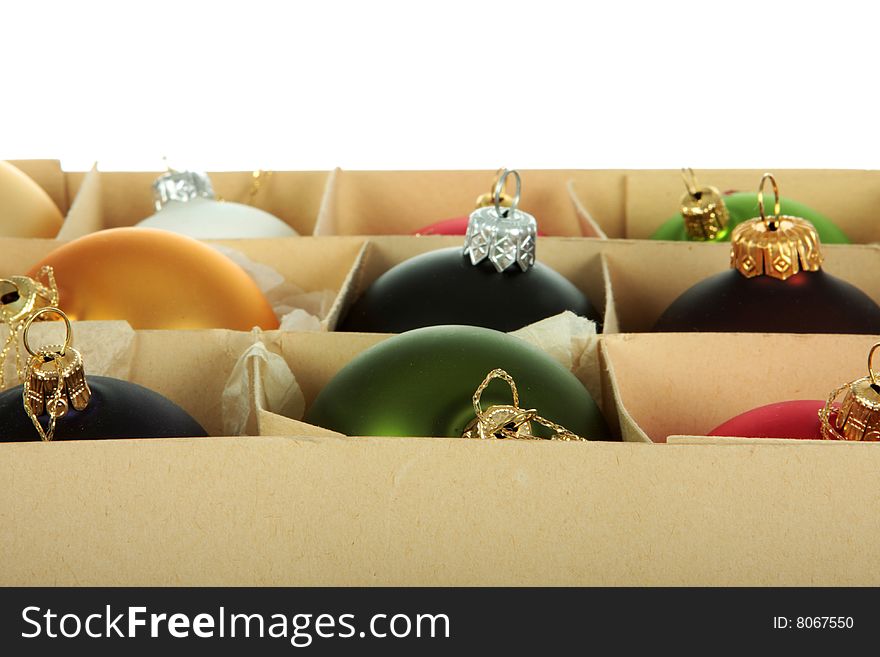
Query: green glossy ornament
column 421, row 383
column 743, row 206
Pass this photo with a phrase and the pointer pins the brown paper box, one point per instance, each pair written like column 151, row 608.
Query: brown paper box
column 324, row 510
column 648, row 198
column 402, row 202
column 126, row 197
column 680, row 384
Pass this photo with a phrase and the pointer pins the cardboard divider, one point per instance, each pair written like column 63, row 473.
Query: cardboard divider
column 686, row 384
column 126, row 197
column 645, row 199
column 311, row 263
column 647, row 276
column 403, row 202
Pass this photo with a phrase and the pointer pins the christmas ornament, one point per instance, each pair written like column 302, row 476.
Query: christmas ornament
column 421, row 383
column 459, row 225
column 495, row 282
column 58, row 402
column 20, row 298
column 707, row 215
column 186, row 204
column 775, row 285
column 155, row 279
column 857, row 417
column 26, row 210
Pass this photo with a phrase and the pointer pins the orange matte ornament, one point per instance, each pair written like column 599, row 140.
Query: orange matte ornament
column 155, row 279
column 25, row 208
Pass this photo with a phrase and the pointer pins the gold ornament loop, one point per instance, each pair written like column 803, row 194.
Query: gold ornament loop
column 777, row 208
column 491, row 376
column 42, row 311
column 871, row 371
column 690, row 181
column 500, row 185
column 510, row 421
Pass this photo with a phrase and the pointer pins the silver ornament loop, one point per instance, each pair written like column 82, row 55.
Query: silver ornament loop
column 500, row 186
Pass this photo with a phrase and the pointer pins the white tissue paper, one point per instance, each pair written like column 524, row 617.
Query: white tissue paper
column 296, row 309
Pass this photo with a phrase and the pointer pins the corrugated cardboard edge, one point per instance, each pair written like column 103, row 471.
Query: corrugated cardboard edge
column 589, row 226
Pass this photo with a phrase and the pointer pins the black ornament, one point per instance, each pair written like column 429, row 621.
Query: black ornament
column 117, row 409
column 443, row 287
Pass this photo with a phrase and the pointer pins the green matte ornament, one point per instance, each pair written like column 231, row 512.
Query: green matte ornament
column 707, row 215
column 421, row 383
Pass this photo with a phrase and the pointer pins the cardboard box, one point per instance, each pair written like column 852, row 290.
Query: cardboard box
column 403, row 202
column 74, row 193
column 124, row 198
column 646, row 199
column 312, row 264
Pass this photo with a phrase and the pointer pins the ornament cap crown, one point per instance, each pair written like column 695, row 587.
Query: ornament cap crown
column 506, row 236
column 858, row 416
column 181, row 186
column 779, row 246
column 705, row 215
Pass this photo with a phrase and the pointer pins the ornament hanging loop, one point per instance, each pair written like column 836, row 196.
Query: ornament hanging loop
column 771, row 223
column 491, row 376
column 43, row 311
column 500, row 185
column 690, row 181
column 871, row 372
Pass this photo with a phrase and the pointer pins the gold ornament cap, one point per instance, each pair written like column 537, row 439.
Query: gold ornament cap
column 858, row 417
column 779, row 246
column 705, row 215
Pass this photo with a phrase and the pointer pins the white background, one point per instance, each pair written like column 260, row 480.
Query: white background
column 448, row 84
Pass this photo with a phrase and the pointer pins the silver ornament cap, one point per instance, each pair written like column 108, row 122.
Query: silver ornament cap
column 181, row 186
column 506, row 236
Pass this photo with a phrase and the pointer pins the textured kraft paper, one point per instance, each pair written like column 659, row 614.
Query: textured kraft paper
column 645, row 199
column 314, row 359
column 126, row 197
column 403, row 202
column 322, row 266
column 647, row 276
column 371, row 511
column 73, row 193
column 685, row 385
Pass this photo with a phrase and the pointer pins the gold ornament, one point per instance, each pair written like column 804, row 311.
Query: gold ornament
column 503, row 421
column 705, row 214
column 17, row 305
column 858, row 417
column 55, row 378
column 26, row 210
column 778, row 246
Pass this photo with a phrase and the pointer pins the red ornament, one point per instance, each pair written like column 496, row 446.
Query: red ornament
column 788, row 419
